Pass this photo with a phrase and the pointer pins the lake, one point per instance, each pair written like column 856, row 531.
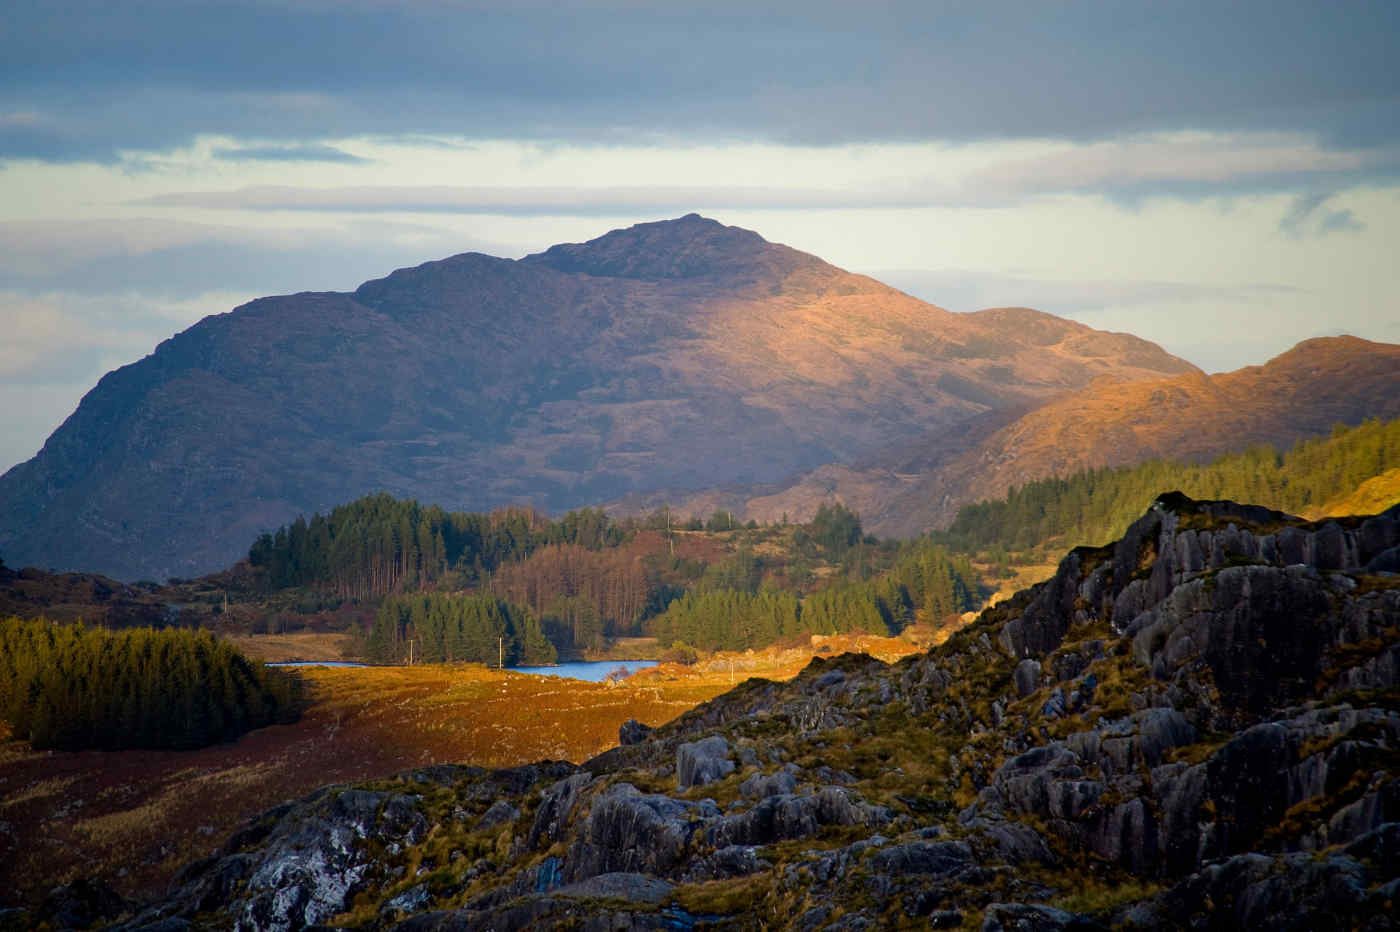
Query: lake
column 594, row 671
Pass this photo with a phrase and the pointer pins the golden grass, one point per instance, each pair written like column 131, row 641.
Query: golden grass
column 1370, row 497
column 282, row 648
column 37, row 790
column 135, row 817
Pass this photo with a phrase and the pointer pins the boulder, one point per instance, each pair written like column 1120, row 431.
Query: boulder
column 500, row 813
column 779, row 818
column 761, row 786
column 924, row 857
column 702, row 762
column 556, row 804
column 1023, row 917
column 632, row 832
column 633, row 732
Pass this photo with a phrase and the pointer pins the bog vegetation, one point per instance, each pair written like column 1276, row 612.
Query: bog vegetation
column 70, row 687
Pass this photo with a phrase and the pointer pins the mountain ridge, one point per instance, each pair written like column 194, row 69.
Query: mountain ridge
column 920, row 483
column 475, row 382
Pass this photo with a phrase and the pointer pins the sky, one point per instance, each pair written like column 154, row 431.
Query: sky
column 1221, row 178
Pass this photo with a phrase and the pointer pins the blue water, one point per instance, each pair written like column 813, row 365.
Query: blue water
column 593, row 671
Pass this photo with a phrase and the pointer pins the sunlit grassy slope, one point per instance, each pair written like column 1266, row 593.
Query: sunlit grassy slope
column 1371, row 497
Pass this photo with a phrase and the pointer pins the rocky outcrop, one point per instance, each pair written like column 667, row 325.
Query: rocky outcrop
column 1196, row 727
column 306, row 860
column 702, row 762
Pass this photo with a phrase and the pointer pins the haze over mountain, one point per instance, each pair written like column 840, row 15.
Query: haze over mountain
column 680, row 354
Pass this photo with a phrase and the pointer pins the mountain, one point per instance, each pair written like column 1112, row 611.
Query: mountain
column 681, row 354
column 1194, row 727
column 921, row 483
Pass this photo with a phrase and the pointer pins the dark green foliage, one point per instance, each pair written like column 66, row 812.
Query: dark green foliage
column 925, row 577
column 834, row 528
column 380, row 544
column 726, row 619
column 479, row 628
column 70, row 687
column 721, row 520
column 1097, row 505
column 936, row 581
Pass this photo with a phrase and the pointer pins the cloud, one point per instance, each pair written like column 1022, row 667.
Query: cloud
column 1306, row 215
column 1340, row 221
column 1190, row 165
column 154, row 74
column 295, row 153
column 177, row 260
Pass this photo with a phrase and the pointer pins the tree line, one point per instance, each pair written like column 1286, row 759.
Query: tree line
column 70, row 687
column 925, row 579
column 1096, row 506
column 379, row 544
column 582, row 595
column 548, row 586
column 457, row 627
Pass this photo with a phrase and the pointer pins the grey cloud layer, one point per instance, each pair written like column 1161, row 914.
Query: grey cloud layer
column 87, row 80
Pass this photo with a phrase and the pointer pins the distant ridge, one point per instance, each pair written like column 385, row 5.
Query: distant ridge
column 921, row 483
column 680, row 354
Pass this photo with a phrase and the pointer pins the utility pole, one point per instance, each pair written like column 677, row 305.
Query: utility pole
column 410, row 652
column 670, row 539
column 501, row 649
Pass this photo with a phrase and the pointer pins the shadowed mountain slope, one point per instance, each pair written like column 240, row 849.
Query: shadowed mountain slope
column 677, row 354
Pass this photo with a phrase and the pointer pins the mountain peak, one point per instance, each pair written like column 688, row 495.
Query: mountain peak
column 686, row 247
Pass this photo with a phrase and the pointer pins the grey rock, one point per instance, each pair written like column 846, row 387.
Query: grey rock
column 633, row 732
column 702, row 762
column 554, row 810
column 761, row 786
column 500, row 813
column 637, row 888
column 778, row 818
column 1022, row 917
column 1254, row 891
column 1027, row 676
column 631, row 832
column 924, row 857
column 411, row 900
column 729, row 861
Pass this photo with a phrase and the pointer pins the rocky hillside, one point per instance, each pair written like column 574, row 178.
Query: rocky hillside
column 1194, row 727
column 679, row 354
column 921, row 483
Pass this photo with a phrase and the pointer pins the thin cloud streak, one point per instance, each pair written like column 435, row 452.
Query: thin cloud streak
column 297, row 153
column 1187, row 166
